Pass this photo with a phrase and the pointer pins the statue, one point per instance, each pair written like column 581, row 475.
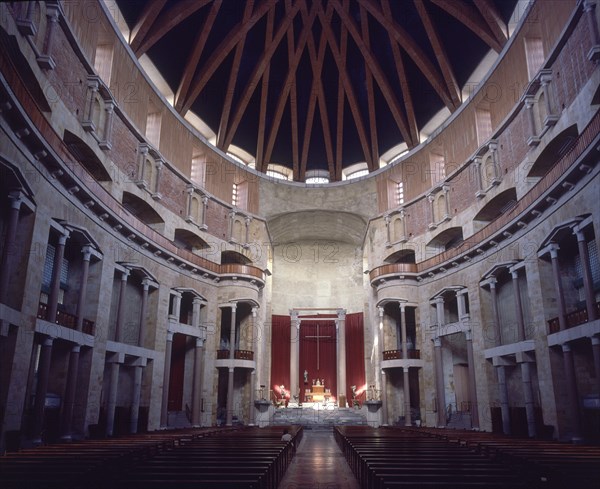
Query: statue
column 306, row 377
column 318, row 381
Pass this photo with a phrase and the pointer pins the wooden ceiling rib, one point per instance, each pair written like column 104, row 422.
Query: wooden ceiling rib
column 233, row 74
column 413, row 50
column 144, row 23
column 494, row 20
column 167, row 21
column 471, row 19
column 194, row 57
column 364, row 23
column 440, row 53
column 293, row 93
column 261, row 164
column 404, row 86
column 383, row 52
column 348, row 89
column 220, row 53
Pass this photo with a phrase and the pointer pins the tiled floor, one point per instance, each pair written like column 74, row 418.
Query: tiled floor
column 318, row 464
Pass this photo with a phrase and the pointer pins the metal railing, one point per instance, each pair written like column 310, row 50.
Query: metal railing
column 65, row 319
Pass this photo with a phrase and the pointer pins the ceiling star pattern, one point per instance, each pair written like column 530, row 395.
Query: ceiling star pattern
column 316, row 84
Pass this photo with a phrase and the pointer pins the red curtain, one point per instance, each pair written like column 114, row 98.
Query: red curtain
column 355, row 355
column 280, row 354
column 327, row 370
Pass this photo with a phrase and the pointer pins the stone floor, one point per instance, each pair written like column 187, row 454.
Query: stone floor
column 319, row 464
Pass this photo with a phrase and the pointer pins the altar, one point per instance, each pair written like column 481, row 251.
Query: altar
column 317, row 393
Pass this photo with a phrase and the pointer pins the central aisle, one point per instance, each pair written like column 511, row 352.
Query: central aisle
column 319, row 463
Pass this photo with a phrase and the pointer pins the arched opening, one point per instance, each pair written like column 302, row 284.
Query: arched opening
column 86, row 157
column 141, row 209
column 401, row 256
column 229, row 257
column 500, row 204
column 449, row 238
column 188, row 240
column 554, row 151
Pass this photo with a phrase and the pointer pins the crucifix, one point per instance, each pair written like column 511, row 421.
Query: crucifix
column 317, row 337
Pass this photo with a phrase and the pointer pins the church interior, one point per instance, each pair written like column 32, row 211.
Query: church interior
column 372, row 223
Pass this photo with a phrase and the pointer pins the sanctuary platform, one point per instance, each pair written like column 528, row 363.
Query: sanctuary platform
column 319, row 415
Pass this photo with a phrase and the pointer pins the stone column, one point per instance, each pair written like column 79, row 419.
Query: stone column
column 384, row 404
column 478, row 173
column 85, row 272
column 439, row 311
column 176, row 305
column 112, row 396
column 164, row 411
column 197, row 382
column 572, row 393
column 52, row 14
column 503, row 392
column 341, row 375
column 528, row 396
column 596, row 352
column 122, row 306
column 294, row 352
column 588, row 284
column 137, row 391
column 143, row 312
column 108, row 123
column 439, row 383
column 388, row 232
column 41, row 390
column 495, row 313
column 562, row 309
column 158, row 167
column 431, row 200
column 59, row 255
column 589, row 7
column 461, row 302
column 529, row 103
column 519, row 306
column 69, row 402
column 229, row 419
column 9, row 244
column 252, row 410
column 472, row 382
column 204, row 208
column 251, row 413
column 405, row 380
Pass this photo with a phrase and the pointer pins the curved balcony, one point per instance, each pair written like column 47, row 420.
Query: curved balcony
column 395, row 359
column 237, row 270
column 241, row 359
column 392, row 269
column 575, row 318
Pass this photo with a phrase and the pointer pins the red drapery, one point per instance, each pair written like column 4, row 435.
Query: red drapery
column 327, row 370
column 355, row 355
column 280, row 354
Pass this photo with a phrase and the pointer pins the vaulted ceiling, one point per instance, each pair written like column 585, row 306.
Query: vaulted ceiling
column 316, row 84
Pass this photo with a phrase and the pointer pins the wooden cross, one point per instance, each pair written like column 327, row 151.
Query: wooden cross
column 317, row 337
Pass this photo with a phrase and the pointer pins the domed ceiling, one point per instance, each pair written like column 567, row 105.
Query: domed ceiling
column 316, row 84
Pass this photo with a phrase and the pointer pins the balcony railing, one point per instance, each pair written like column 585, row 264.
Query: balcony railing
column 237, row 355
column 397, row 355
column 575, row 318
column 392, row 268
column 65, row 319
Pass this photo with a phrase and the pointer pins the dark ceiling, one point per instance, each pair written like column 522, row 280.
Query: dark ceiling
column 316, row 84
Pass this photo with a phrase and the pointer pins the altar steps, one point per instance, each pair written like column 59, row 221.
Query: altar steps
column 315, row 417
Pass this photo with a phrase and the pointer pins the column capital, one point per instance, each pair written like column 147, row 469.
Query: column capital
column 492, row 281
column 197, row 300
column 233, row 305
column 595, row 339
column 553, row 249
column 381, row 311
column 402, row 306
column 169, row 336
column 254, row 311
column 294, row 315
column 200, row 342
column 76, row 349
column 469, row 335
column 405, row 369
column 62, row 239
column 86, row 251
column 437, row 342
column 341, row 314
column 176, row 293
column 125, row 274
column 16, row 199
column 579, row 234
column 48, row 340
column 438, row 300
column 565, row 347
